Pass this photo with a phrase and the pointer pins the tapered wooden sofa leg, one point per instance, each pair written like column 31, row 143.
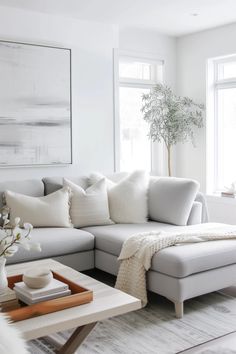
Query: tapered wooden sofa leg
column 179, row 309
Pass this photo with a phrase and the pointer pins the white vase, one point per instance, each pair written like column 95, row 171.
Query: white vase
column 3, row 276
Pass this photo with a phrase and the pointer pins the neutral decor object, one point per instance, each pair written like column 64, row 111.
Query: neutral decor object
column 3, row 276
column 127, row 198
column 60, row 294
column 54, row 286
column 11, row 339
column 8, row 301
column 10, row 240
column 37, row 278
column 108, row 302
column 175, row 198
column 35, row 112
column 49, row 211
column 53, row 290
column 89, row 207
column 172, row 118
column 229, row 191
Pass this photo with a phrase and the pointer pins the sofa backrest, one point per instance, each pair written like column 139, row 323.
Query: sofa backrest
column 31, row 187
column 170, row 199
column 52, row 184
column 38, row 188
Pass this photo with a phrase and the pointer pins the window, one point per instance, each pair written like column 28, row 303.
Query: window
column 136, row 76
column 222, row 123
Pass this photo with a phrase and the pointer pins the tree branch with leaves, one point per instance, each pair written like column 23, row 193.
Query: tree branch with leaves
column 171, row 118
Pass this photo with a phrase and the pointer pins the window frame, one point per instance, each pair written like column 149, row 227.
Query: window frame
column 214, row 84
column 134, row 83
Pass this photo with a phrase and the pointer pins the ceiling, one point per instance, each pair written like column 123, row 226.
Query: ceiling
column 173, row 17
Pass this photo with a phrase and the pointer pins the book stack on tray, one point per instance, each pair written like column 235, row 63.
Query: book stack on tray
column 9, row 301
column 53, row 290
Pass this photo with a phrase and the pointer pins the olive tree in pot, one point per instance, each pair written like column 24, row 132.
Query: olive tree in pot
column 171, row 118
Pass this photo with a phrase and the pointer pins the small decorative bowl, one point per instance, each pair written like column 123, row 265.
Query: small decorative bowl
column 37, row 278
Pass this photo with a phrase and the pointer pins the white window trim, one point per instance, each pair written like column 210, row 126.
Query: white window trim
column 129, row 83
column 212, row 145
column 143, row 82
column 116, row 124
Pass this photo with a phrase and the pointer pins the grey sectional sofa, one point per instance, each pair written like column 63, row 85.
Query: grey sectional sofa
column 177, row 273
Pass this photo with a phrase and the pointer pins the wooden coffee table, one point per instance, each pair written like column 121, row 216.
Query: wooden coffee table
column 108, row 302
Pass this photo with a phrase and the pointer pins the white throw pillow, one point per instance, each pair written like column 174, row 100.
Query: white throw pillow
column 49, row 211
column 89, row 207
column 127, row 198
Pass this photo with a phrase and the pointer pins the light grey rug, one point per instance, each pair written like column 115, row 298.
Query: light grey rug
column 154, row 329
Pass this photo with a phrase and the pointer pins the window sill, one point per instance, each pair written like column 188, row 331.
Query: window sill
column 216, row 198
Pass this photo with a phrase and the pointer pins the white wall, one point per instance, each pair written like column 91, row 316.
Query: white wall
column 160, row 47
column 92, row 80
column 154, row 43
column 192, row 54
column 92, row 85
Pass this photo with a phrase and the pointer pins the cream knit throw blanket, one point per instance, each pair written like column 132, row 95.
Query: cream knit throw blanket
column 137, row 251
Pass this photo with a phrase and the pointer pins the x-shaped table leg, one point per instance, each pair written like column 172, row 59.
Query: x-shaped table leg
column 76, row 339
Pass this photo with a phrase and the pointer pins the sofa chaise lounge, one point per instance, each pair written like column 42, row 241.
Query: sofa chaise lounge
column 178, row 273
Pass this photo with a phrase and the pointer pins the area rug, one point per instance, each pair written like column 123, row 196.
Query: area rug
column 154, row 329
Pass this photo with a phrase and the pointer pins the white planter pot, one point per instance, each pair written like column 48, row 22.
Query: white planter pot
column 3, row 276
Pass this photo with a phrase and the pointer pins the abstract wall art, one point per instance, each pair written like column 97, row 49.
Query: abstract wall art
column 35, row 105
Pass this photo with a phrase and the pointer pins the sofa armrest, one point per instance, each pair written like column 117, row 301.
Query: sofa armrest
column 195, row 216
column 200, row 197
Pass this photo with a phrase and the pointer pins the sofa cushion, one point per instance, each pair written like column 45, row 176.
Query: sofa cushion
column 55, row 242
column 177, row 261
column 170, row 199
column 110, row 238
column 183, row 260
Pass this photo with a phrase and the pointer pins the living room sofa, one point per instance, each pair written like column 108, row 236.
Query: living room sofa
column 178, row 273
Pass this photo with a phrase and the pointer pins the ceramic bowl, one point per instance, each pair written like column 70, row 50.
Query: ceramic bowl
column 37, row 278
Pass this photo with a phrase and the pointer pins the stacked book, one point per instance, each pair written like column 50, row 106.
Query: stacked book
column 228, row 194
column 53, row 290
column 8, row 301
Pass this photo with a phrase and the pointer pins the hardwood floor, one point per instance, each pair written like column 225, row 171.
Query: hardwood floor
column 223, row 345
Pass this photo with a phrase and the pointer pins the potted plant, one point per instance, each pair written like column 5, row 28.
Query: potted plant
column 171, row 118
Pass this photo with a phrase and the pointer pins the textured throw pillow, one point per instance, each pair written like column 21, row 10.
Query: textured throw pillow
column 89, row 207
column 171, row 199
column 49, row 211
column 127, row 198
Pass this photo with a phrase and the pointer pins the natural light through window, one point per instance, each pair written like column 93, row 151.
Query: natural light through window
column 135, row 147
column 136, row 77
column 222, row 128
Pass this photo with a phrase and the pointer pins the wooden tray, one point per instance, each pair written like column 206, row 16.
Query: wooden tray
column 79, row 295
